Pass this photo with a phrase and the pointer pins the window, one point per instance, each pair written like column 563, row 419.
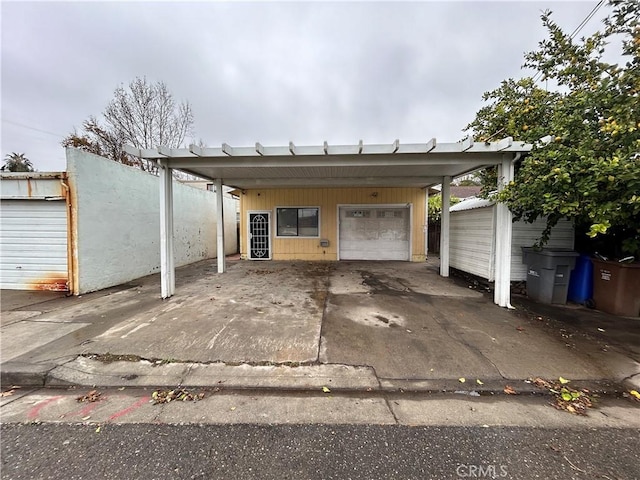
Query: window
column 298, row 222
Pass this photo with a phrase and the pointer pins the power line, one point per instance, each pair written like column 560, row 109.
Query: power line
column 579, row 27
column 586, row 20
column 32, row 128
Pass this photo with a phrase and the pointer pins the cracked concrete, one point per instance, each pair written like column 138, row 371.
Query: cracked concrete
column 351, row 325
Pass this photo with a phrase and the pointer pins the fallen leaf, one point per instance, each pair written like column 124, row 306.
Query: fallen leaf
column 509, row 390
column 233, row 408
column 520, row 329
column 166, row 396
column 92, row 396
column 8, row 393
column 565, row 397
column 479, row 382
column 541, row 383
column 98, row 429
column 635, row 394
column 84, row 419
column 601, row 329
column 326, row 389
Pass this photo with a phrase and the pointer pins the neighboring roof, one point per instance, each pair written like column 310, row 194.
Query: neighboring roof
column 463, row 192
column 33, row 186
column 471, row 203
column 394, row 164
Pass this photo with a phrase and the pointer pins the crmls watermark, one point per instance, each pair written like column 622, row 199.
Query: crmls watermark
column 469, row 470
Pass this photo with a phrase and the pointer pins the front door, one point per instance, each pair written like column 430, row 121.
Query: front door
column 259, row 236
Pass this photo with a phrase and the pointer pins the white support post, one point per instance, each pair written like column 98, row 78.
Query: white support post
column 172, row 255
column 503, row 233
column 426, row 222
column 167, row 262
column 444, row 226
column 220, row 226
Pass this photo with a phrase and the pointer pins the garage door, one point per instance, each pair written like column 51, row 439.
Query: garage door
column 33, row 242
column 374, row 233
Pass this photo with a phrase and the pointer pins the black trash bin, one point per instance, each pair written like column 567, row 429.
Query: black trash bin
column 548, row 273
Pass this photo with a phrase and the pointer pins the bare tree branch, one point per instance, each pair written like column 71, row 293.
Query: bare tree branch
column 143, row 115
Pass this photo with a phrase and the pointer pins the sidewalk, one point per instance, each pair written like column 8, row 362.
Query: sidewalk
column 301, row 326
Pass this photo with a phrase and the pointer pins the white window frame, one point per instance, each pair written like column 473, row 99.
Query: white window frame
column 275, row 216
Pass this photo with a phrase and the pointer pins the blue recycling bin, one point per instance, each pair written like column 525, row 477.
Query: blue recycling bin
column 581, row 283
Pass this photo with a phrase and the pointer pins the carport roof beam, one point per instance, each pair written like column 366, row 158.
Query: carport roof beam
column 292, row 182
column 467, row 146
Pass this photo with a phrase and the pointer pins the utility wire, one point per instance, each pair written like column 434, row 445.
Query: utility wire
column 4, row 120
column 586, row 20
column 579, row 27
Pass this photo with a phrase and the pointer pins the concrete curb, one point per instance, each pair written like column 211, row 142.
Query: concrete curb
column 25, row 374
column 87, row 372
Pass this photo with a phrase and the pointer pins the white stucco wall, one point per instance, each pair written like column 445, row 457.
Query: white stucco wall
column 117, row 222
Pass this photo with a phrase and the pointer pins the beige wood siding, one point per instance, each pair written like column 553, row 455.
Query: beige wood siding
column 328, row 200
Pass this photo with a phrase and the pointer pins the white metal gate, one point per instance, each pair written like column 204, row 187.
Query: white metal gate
column 259, row 236
column 33, row 245
column 373, row 232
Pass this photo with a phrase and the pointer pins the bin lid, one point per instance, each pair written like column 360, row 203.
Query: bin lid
column 597, row 261
column 552, row 252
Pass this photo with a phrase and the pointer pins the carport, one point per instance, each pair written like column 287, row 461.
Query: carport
column 382, row 165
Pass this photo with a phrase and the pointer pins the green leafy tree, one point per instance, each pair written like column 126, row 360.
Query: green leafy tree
column 434, row 207
column 17, row 162
column 588, row 167
column 144, row 115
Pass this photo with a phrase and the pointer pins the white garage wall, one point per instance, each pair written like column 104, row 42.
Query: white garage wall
column 117, row 222
column 472, row 248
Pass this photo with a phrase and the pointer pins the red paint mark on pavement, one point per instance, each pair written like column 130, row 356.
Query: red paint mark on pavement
column 130, row 409
column 35, row 411
column 84, row 411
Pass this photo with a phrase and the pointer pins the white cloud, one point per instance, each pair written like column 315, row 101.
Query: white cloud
column 269, row 72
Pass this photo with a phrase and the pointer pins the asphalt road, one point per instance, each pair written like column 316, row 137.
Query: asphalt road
column 132, row 451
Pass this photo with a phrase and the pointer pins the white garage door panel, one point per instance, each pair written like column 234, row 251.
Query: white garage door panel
column 374, row 233
column 33, row 241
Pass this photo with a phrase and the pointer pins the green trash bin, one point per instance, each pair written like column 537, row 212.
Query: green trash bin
column 548, row 273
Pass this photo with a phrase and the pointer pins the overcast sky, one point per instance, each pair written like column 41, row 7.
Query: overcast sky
column 268, row 72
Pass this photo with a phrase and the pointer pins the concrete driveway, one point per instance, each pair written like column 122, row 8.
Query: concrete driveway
column 401, row 319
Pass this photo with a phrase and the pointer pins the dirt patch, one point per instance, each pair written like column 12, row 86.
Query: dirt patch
column 318, row 269
column 110, row 357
